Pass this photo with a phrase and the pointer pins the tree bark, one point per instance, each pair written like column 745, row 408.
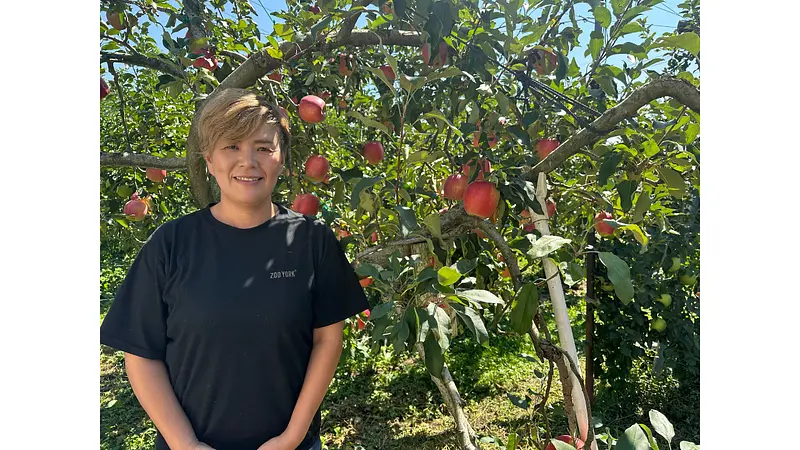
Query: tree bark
column 467, row 438
column 141, row 160
column 681, row 90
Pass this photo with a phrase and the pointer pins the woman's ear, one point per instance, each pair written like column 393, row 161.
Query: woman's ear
column 209, row 164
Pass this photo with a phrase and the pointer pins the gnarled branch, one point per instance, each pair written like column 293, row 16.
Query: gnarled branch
column 141, row 160
column 681, row 90
column 142, row 61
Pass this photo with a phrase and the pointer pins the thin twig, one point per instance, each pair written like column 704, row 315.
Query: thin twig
column 121, row 105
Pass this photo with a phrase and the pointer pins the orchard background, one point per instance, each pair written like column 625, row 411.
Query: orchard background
column 517, row 183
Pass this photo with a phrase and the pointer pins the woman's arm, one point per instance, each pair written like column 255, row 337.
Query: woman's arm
column 150, row 383
column 321, row 369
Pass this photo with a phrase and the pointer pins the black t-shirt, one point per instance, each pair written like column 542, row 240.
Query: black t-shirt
column 232, row 312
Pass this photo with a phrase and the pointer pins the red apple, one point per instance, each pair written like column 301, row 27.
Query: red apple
column 481, row 199
column 344, row 68
column 364, row 282
column 544, row 147
column 314, row 9
column 312, row 109
column 492, row 140
column 206, row 62
column 306, row 204
column 156, row 175
column 455, row 185
column 551, row 208
column 317, row 168
column 104, row 89
column 275, row 76
column 374, row 236
column 343, row 233
column 135, row 208
column 603, row 228
column 388, row 71
column 565, row 438
column 373, row 152
column 115, row 20
column 546, row 62
column 487, row 168
column 426, row 52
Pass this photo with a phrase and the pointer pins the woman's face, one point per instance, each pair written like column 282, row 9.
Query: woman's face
column 247, row 171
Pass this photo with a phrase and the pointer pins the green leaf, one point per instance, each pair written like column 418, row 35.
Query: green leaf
column 448, row 276
column 362, row 184
column 473, row 321
column 408, row 221
column 405, row 83
column 642, row 206
column 502, row 102
column 686, row 445
column 465, row 266
column 480, row 296
column 368, row 270
column 661, row 425
column 524, row 308
column 638, row 234
column 379, row 73
column 686, row 41
column 369, row 122
column 633, row 27
column 692, row 130
column 560, row 445
column 650, row 148
column 381, row 310
column 633, row 439
column 603, row 16
column 677, row 186
column 608, row 167
column 650, row 438
column 434, row 225
column 546, row 245
column 619, row 6
column 519, row 402
column 595, row 44
column 620, row 276
column 321, row 25
column 401, row 332
column 434, row 359
column 626, row 190
column 436, row 114
column 450, row 71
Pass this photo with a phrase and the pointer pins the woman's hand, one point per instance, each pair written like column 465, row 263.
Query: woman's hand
column 200, row 446
column 281, row 442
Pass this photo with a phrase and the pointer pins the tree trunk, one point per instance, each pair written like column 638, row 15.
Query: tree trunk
column 467, row 439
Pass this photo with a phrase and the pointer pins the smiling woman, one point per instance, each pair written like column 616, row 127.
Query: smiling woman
column 231, row 317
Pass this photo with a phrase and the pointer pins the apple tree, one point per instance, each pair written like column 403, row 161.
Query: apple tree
column 466, row 160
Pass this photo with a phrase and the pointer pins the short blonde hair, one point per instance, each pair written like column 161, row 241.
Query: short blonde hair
column 234, row 114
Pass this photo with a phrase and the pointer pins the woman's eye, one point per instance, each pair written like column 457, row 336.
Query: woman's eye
column 231, row 147
column 265, row 149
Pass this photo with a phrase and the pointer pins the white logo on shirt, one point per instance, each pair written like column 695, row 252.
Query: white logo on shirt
column 283, row 274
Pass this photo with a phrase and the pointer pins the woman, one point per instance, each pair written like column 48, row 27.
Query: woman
column 231, row 317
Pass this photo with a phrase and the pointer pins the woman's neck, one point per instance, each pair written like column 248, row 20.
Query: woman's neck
column 241, row 216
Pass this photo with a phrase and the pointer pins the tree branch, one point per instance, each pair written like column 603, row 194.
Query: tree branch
column 681, row 90
column 141, row 160
column 143, row 61
column 350, row 22
column 233, row 55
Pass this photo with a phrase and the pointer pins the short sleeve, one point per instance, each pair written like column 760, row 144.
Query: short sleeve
column 337, row 293
column 136, row 321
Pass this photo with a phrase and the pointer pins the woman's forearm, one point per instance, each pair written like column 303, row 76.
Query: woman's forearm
column 321, row 369
column 150, row 383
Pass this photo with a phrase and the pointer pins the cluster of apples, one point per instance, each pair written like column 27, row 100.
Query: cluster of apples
column 136, row 208
column 311, row 109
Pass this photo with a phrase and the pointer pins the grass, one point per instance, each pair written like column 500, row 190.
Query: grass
column 388, row 402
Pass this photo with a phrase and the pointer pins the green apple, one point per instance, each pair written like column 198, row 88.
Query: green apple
column 676, row 264
column 665, row 299
column 659, row 324
column 687, row 279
